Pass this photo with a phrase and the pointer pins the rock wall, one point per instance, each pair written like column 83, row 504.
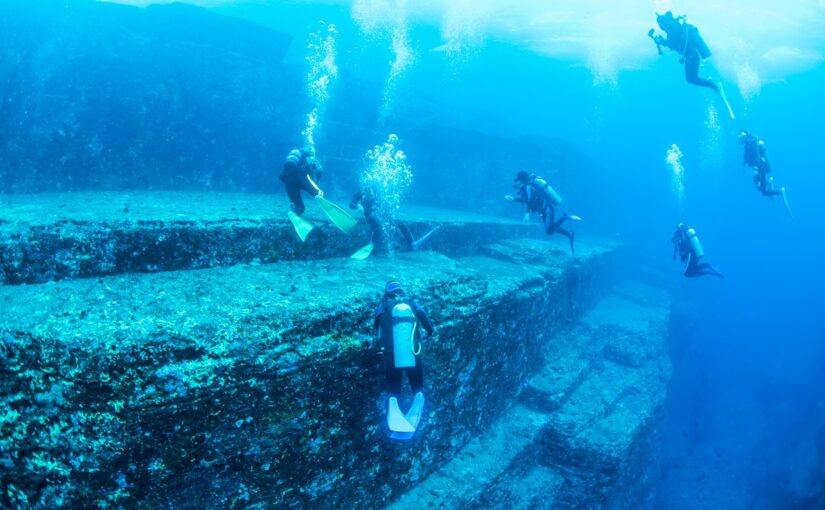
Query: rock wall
column 250, row 385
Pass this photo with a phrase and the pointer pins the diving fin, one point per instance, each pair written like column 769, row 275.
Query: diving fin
column 339, row 217
column 417, row 245
column 721, row 92
column 413, row 416
column 302, row 227
column 395, row 420
column 785, row 201
column 363, row 253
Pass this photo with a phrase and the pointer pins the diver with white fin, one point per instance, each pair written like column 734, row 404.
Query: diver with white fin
column 684, row 39
column 535, row 193
column 686, row 244
column 365, row 202
column 756, row 157
column 397, row 329
column 300, row 172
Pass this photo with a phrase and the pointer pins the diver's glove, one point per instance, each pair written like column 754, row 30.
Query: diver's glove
column 509, row 198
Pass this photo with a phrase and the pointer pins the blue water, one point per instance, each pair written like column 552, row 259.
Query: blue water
column 746, row 418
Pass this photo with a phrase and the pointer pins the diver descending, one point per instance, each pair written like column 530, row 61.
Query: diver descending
column 300, row 172
column 365, row 201
column 684, row 39
column 397, row 329
column 756, row 157
column 686, row 244
column 540, row 197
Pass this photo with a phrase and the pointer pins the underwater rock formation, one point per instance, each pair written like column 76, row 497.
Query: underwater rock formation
column 51, row 237
column 251, row 386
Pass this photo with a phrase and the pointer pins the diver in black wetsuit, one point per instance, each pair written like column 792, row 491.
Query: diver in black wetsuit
column 684, row 39
column 397, row 329
column 300, row 172
column 686, row 244
column 367, row 202
column 756, row 156
column 538, row 196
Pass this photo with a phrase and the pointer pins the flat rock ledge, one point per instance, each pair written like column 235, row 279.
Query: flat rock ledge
column 61, row 236
column 250, row 386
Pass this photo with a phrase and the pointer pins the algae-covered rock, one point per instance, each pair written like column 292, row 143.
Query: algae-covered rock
column 250, row 386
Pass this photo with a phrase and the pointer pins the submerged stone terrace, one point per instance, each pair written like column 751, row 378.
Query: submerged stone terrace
column 57, row 236
column 251, row 386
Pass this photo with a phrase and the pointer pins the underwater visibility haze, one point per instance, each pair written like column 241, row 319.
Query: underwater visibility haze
column 412, row 254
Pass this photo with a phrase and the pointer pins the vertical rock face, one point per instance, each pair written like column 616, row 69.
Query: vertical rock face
column 250, row 386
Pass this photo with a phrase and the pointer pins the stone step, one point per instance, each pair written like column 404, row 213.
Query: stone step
column 249, row 385
column 580, row 426
column 464, row 478
column 51, row 237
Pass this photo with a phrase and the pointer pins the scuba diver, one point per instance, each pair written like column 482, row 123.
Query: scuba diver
column 756, row 156
column 684, row 38
column 686, row 243
column 300, row 171
column 366, row 202
column 540, row 197
column 397, row 329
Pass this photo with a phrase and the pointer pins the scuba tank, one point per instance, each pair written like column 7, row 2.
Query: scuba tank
column 552, row 196
column 403, row 335
column 695, row 245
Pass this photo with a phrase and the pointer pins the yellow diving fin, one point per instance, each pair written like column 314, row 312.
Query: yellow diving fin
column 302, row 226
column 339, row 217
column 363, row 253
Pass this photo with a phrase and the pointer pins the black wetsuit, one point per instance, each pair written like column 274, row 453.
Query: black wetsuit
column 383, row 326
column 377, row 234
column 684, row 38
column 756, row 156
column 534, row 195
column 300, row 170
column 682, row 246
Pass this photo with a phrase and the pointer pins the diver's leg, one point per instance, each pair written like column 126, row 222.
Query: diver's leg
column 692, row 60
column 293, row 191
column 549, row 216
column 393, row 376
column 565, row 232
column 706, row 269
column 416, row 376
column 406, row 234
column 308, row 186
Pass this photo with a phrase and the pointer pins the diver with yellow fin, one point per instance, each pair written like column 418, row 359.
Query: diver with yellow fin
column 397, row 330
column 300, row 172
column 684, row 39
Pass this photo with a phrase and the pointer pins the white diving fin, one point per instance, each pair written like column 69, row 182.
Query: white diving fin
column 413, row 417
column 302, row 227
column 395, row 420
column 364, row 252
column 721, row 91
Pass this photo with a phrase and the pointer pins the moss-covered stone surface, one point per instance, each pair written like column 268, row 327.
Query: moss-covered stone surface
column 584, row 434
column 52, row 237
column 250, row 386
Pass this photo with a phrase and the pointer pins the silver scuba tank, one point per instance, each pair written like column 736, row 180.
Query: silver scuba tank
column 695, row 245
column 551, row 194
column 403, row 335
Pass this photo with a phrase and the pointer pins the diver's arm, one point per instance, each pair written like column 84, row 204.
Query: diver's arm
column 422, row 317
